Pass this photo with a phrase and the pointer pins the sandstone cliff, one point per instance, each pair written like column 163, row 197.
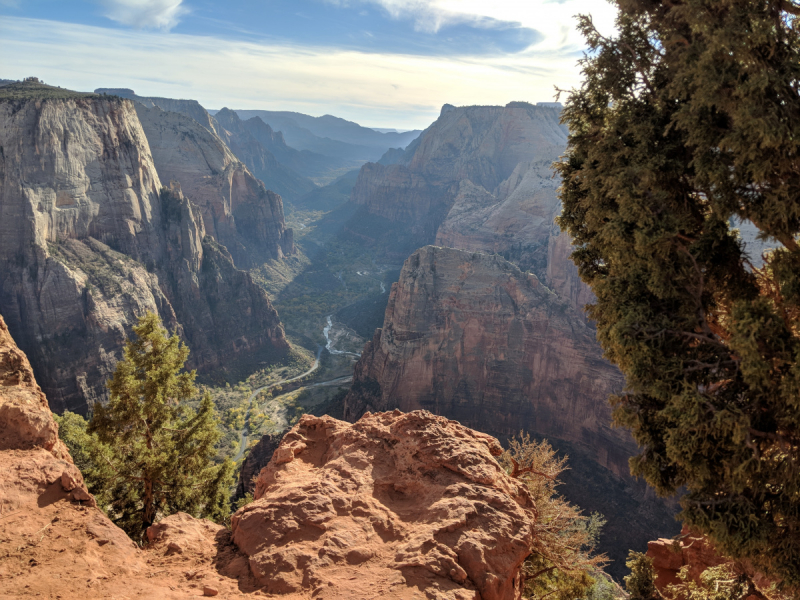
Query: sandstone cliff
column 471, row 337
column 411, row 504
column 88, row 242
column 236, row 208
column 480, row 179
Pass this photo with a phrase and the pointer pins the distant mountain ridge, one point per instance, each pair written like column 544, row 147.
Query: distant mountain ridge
column 340, row 129
column 330, row 135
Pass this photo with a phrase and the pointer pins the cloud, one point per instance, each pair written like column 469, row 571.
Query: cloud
column 372, row 88
column 145, row 14
column 556, row 18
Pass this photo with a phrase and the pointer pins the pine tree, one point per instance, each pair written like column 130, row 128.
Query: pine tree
column 154, row 455
column 687, row 122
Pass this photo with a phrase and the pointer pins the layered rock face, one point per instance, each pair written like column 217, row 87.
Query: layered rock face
column 470, row 336
column 237, row 210
column 469, row 175
column 481, row 179
column 88, row 243
column 392, row 505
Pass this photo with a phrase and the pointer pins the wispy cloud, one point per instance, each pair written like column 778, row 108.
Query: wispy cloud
column 381, row 90
column 145, row 14
column 556, row 18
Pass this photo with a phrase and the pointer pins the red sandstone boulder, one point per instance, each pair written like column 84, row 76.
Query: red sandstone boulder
column 389, row 506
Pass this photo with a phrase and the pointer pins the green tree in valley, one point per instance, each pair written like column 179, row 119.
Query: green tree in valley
column 153, row 455
column 687, row 122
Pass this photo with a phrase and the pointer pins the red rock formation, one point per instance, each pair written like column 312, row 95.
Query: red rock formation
column 696, row 552
column 55, row 543
column 392, row 504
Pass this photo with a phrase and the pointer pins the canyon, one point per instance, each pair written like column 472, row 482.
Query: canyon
column 90, row 239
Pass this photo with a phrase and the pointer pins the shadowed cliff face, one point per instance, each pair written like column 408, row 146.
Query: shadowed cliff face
column 256, row 154
column 88, row 242
column 236, row 208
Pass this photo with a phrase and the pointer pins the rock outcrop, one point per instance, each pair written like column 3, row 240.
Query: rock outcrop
column 392, row 505
column 395, row 506
column 237, row 210
column 89, row 242
column 473, row 338
column 696, row 553
column 55, row 543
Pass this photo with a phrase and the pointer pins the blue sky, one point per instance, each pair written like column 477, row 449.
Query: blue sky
column 382, row 63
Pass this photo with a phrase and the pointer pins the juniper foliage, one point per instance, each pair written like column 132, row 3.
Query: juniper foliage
column 687, row 120
column 153, row 455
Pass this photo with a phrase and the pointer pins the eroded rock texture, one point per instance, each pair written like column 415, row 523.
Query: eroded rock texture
column 237, row 210
column 389, row 506
column 88, row 243
column 470, row 336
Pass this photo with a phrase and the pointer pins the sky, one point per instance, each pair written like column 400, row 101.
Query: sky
column 381, row 63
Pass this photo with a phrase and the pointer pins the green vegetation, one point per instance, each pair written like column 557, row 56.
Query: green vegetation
column 687, row 120
column 723, row 582
column 151, row 453
column 562, row 558
column 641, row 583
column 32, row 90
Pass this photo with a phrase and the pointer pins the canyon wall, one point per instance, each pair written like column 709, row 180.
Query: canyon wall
column 89, row 242
column 471, row 337
column 237, row 210
column 257, row 155
column 481, row 179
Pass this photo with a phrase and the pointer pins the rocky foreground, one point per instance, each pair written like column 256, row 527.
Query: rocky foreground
column 394, row 506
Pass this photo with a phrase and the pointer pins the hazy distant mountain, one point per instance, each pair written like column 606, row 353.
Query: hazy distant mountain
column 330, row 135
column 316, row 166
column 7, row 81
column 340, row 129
